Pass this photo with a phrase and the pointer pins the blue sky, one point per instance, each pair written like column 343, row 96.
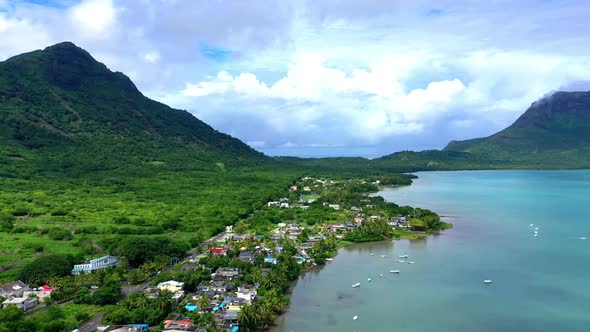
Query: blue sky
column 327, row 78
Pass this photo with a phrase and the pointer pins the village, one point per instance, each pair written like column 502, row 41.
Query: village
column 246, row 269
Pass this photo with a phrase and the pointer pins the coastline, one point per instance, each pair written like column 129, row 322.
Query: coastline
column 342, row 244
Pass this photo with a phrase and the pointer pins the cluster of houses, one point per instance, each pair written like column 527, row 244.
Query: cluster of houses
column 225, row 299
column 22, row 295
column 225, row 296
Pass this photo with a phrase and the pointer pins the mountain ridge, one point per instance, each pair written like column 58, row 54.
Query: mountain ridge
column 61, row 98
column 555, row 129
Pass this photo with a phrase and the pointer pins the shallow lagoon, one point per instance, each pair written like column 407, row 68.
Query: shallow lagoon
column 540, row 283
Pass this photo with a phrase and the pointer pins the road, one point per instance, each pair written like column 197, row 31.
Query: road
column 92, row 324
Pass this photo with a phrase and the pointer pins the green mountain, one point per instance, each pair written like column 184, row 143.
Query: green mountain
column 61, row 109
column 87, row 164
column 553, row 132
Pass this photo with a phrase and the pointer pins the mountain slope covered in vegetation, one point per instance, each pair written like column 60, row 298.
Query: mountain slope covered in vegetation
column 554, row 131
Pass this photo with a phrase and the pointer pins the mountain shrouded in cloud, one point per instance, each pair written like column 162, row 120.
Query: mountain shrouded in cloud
column 374, row 76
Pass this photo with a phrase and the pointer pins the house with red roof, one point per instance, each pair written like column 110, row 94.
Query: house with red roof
column 218, row 251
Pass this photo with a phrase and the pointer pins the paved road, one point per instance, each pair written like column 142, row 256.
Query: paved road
column 91, row 324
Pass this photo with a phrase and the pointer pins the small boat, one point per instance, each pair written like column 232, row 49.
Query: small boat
column 403, row 256
column 355, row 317
column 369, row 279
column 381, row 275
column 401, row 261
column 536, row 235
column 356, row 285
column 531, row 225
column 487, row 281
column 411, row 262
column 383, row 256
column 329, row 259
column 394, row 271
column 372, row 254
column 536, row 228
column 536, row 232
column 583, row 238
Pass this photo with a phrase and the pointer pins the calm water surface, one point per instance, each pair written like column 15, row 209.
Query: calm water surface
column 540, row 283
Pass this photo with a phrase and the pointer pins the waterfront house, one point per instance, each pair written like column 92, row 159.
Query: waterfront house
column 229, row 229
column 96, row 264
column 25, row 303
column 285, row 205
column 271, row 204
column 15, row 289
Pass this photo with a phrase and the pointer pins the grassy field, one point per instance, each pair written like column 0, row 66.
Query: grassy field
column 73, row 215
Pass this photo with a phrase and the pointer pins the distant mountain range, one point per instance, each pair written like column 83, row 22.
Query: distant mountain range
column 60, row 107
column 62, row 111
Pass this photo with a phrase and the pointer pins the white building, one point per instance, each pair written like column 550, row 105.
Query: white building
column 96, row 264
column 24, row 303
column 246, row 293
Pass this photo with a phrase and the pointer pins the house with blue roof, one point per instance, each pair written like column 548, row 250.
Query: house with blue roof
column 270, row 259
column 96, row 264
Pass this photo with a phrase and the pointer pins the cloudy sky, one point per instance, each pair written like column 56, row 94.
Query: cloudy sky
column 325, row 78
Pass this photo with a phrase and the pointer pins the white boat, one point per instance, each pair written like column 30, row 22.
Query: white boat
column 531, row 225
column 372, row 254
column 411, row 262
column 487, row 281
column 536, row 228
column 329, row 259
column 394, row 271
column 356, row 285
column 583, row 238
column 403, row 256
column 383, row 256
column 536, row 235
column 355, row 317
column 401, row 261
column 369, row 279
column 381, row 275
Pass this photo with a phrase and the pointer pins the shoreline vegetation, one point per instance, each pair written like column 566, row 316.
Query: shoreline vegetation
column 241, row 277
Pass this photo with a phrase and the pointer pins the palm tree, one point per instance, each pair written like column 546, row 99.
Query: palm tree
column 203, row 302
column 257, row 275
column 249, row 319
column 164, row 300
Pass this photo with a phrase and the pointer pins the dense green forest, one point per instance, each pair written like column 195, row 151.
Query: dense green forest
column 86, row 160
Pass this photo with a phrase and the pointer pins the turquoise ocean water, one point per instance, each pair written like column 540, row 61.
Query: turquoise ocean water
column 539, row 283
